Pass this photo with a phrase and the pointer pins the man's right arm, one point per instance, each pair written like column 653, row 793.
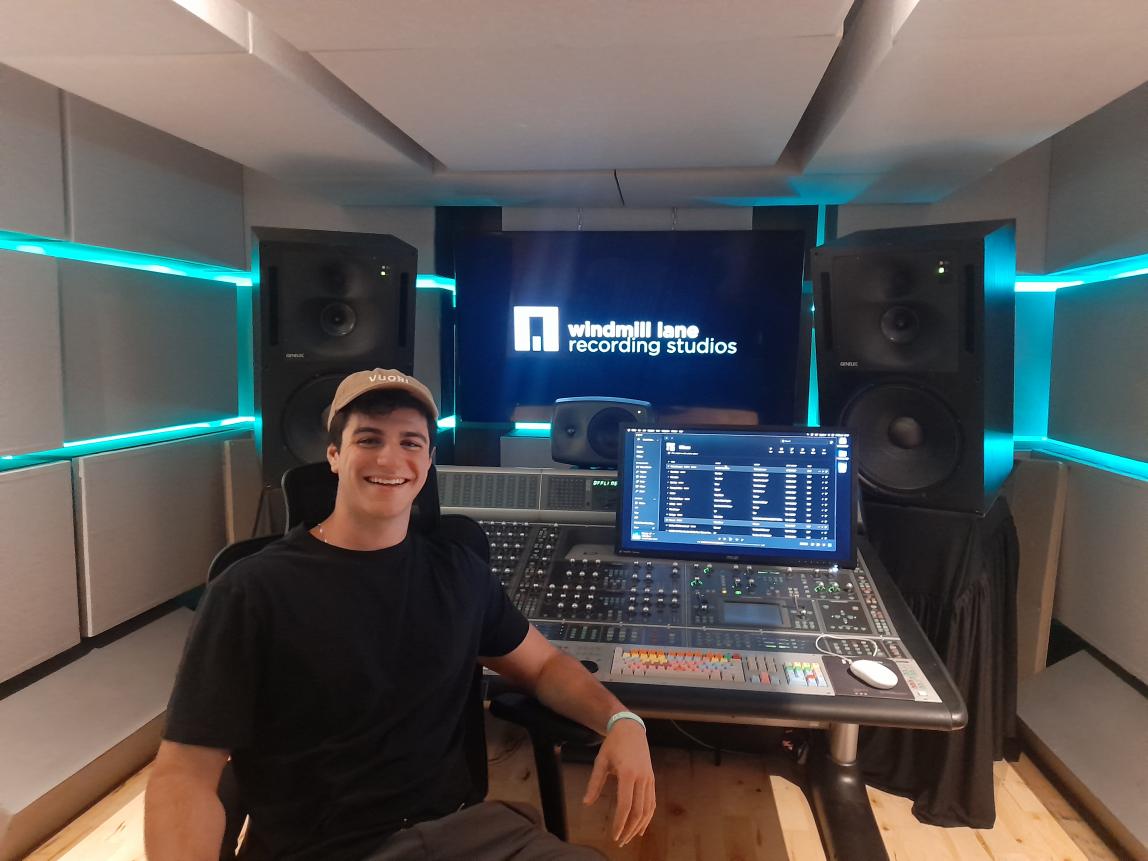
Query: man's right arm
column 183, row 817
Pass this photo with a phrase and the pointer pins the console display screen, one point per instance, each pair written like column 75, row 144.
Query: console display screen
column 742, row 494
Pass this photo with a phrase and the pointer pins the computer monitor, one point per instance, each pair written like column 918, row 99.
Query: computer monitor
column 784, row 496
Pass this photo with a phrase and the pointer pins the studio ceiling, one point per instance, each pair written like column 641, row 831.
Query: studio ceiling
column 595, row 102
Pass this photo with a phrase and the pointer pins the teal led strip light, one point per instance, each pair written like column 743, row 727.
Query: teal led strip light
column 96, row 445
column 1127, row 267
column 59, row 249
column 1087, row 456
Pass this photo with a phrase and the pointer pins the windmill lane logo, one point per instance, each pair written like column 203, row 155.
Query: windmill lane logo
column 525, row 339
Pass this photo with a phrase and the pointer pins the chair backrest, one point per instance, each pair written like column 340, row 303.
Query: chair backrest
column 234, row 552
column 309, row 492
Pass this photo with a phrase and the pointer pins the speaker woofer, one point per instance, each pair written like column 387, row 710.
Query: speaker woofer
column 337, row 319
column 908, row 440
column 304, row 425
column 602, row 432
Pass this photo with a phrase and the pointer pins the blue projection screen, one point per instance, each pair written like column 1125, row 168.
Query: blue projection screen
column 682, row 319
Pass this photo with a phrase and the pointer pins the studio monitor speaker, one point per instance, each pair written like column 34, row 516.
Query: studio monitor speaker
column 329, row 304
column 584, row 431
column 915, row 356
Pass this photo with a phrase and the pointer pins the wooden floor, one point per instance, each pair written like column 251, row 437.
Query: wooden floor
column 737, row 811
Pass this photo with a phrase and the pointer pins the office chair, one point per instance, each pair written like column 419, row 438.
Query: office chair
column 309, row 491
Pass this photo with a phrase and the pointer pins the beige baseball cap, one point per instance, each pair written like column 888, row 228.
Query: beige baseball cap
column 362, row 382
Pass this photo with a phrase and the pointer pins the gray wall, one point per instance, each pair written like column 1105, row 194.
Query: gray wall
column 1098, row 188
column 1016, row 189
column 92, row 350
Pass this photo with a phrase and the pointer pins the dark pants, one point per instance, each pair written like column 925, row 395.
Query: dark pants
column 490, row 831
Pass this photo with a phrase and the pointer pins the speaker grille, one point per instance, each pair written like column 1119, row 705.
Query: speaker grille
column 896, row 312
column 908, row 440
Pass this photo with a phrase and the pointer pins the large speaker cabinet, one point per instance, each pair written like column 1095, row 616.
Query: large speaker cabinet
column 329, row 304
column 915, row 356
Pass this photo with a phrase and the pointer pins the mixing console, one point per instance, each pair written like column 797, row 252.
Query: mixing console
column 694, row 623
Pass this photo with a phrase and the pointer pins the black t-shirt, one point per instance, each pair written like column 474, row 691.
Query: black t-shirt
column 338, row 679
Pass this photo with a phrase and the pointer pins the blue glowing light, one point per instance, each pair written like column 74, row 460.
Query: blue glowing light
column 1089, row 457
column 96, row 445
column 532, row 426
column 59, row 249
column 437, row 282
column 448, row 423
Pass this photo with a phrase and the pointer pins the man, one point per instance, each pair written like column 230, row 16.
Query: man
column 333, row 667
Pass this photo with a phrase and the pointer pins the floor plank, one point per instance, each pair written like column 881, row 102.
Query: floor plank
column 740, row 810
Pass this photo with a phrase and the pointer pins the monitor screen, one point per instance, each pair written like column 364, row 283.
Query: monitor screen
column 681, row 319
column 783, row 496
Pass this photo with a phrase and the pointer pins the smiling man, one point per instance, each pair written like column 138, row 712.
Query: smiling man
column 333, row 668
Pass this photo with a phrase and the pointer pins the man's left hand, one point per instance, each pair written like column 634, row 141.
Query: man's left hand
column 626, row 755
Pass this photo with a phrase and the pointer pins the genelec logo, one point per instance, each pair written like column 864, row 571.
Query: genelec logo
column 537, row 329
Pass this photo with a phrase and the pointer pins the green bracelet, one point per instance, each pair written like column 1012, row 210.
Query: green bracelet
column 623, row 716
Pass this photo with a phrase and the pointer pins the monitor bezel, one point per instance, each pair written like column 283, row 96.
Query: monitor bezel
column 843, row 558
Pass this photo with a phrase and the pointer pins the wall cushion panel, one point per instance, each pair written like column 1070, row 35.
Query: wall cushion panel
column 136, row 188
column 39, row 612
column 144, row 350
column 1100, row 585
column 31, row 165
column 149, row 522
column 31, row 400
column 1099, row 385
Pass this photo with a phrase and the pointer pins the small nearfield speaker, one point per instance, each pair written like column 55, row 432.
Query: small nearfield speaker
column 915, row 356
column 584, row 431
column 329, row 304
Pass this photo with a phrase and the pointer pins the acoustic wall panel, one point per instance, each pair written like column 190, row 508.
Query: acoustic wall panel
column 149, row 522
column 1098, row 185
column 31, row 166
column 71, row 737
column 39, row 612
column 1099, row 389
column 1100, row 585
column 135, row 188
column 31, row 389
column 242, row 484
column 144, row 350
column 1036, row 493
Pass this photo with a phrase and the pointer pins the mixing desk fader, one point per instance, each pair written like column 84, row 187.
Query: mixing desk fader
column 695, row 623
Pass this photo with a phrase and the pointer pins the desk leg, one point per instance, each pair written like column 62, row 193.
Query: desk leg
column 837, row 795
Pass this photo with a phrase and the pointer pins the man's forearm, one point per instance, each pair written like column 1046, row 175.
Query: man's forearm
column 565, row 686
column 182, row 820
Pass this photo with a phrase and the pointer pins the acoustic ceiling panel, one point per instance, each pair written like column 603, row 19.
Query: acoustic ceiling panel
column 967, row 84
column 577, row 84
column 546, row 107
column 352, row 25
column 65, row 28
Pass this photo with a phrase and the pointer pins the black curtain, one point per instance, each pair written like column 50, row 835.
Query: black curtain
column 958, row 574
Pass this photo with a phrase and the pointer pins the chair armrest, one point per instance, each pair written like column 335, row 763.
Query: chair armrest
column 542, row 723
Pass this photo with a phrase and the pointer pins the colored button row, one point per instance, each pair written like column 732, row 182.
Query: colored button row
column 683, row 664
column 804, row 674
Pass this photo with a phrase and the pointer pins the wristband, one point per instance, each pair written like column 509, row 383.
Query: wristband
column 624, row 716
